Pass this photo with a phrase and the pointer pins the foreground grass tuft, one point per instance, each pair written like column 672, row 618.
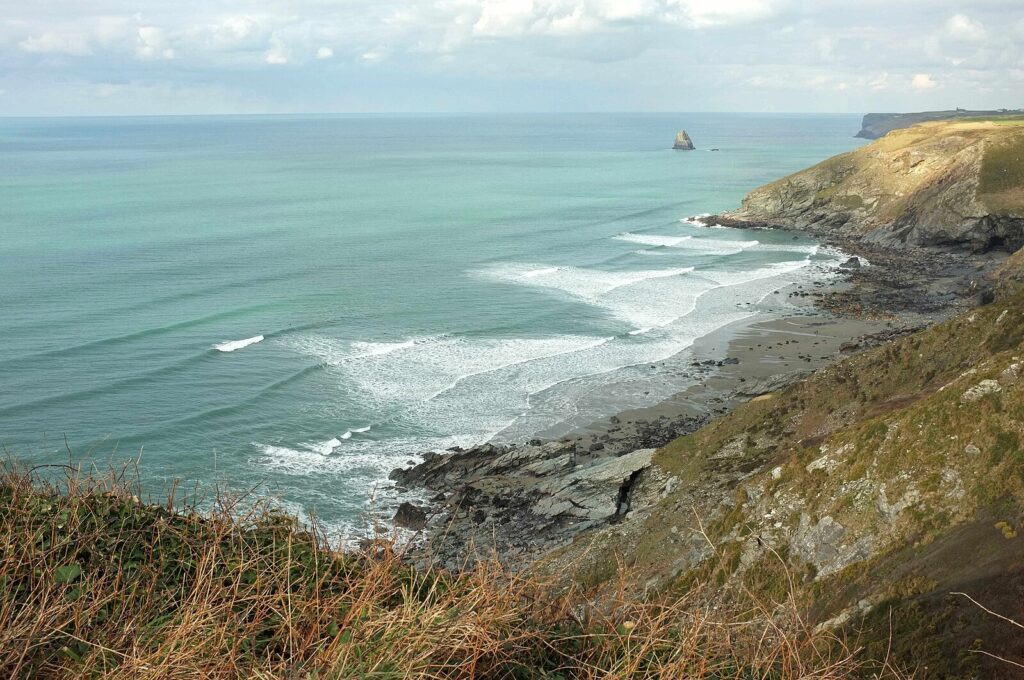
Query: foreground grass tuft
column 95, row 584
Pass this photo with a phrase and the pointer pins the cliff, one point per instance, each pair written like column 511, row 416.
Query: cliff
column 873, row 489
column 876, row 125
column 954, row 185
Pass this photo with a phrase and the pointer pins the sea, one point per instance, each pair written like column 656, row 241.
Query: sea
column 296, row 305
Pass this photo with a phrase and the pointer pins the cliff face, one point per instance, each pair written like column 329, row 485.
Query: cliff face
column 958, row 185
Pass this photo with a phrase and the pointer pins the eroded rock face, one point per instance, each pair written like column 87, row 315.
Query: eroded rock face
column 518, row 502
column 598, row 492
column 822, row 544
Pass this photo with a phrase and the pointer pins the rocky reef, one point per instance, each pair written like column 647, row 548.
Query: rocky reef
column 683, row 142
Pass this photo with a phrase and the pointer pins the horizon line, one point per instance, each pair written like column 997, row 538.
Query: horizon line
column 4, row 116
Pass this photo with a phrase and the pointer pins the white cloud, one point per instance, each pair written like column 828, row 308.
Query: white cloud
column 278, row 53
column 879, row 82
column 152, row 44
column 374, row 55
column 557, row 54
column 706, row 13
column 505, row 17
column 922, row 82
column 961, row 27
column 826, row 48
column 57, row 42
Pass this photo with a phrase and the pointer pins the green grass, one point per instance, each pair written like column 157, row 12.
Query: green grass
column 1001, row 182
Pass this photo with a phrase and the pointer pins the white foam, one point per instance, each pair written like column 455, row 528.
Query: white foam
column 372, row 349
column 713, row 246
column 347, row 435
column 569, row 348
column 238, row 344
column 452, row 390
column 788, row 248
column 735, row 278
column 540, row 272
column 360, row 430
column 651, row 239
column 645, row 298
column 333, row 353
column 325, row 448
column 709, row 246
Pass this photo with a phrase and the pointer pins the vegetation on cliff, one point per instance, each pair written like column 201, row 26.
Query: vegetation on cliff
column 955, row 184
column 872, row 491
column 99, row 585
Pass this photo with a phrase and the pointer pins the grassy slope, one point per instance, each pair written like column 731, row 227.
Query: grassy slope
column 1001, row 185
column 98, row 585
column 892, row 428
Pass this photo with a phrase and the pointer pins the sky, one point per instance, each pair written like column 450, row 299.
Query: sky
column 133, row 57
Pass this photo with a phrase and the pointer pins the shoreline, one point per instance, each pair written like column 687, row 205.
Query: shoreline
column 520, row 501
column 770, row 353
column 858, row 308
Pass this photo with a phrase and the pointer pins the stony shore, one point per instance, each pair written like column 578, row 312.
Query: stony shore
column 518, row 502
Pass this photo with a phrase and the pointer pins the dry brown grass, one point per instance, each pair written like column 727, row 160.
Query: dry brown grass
column 96, row 584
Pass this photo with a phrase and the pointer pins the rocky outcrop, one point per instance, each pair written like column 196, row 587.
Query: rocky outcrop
column 520, row 502
column 958, row 186
column 876, row 125
column 683, row 142
column 409, row 516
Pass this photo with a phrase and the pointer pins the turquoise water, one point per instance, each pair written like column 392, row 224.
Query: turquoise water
column 418, row 283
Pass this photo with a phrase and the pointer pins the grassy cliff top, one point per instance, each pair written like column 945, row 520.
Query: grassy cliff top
column 934, row 183
column 96, row 584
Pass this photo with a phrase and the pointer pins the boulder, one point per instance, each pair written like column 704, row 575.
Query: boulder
column 982, row 389
column 852, row 263
column 410, row 517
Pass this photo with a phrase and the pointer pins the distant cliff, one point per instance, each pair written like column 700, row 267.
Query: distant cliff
column 958, row 185
column 876, row 125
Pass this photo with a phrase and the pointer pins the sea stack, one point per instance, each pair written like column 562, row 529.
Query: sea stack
column 683, row 141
